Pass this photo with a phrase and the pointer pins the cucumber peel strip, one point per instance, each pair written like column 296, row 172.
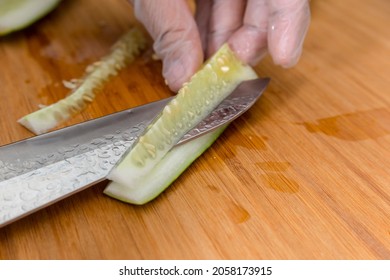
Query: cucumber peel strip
column 123, row 52
column 18, row 14
column 140, row 182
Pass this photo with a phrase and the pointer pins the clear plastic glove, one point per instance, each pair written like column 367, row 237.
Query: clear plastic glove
column 251, row 27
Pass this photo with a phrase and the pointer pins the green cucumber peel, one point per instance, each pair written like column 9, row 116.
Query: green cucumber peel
column 125, row 50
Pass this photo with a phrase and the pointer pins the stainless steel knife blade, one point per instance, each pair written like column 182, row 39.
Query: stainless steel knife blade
column 41, row 170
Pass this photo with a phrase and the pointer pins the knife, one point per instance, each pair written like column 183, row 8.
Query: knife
column 44, row 169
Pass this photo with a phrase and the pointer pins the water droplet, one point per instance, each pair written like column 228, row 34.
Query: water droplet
column 104, row 154
column 26, row 196
column 126, row 136
column 9, row 196
column 96, row 141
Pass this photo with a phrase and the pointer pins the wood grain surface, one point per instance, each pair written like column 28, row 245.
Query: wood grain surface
column 305, row 174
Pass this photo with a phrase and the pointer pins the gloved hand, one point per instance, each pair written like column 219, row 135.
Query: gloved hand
column 251, row 27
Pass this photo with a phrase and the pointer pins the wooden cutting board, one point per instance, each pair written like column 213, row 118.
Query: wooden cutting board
column 305, row 174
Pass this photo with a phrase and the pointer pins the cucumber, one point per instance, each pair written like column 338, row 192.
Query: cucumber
column 18, row 14
column 195, row 100
column 164, row 172
column 123, row 52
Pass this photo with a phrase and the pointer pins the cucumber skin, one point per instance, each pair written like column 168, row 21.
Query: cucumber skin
column 165, row 172
column 125, row 50
column 27, row 19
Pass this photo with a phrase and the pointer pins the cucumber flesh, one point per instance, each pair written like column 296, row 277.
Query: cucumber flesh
column 18, row 14
column 195, row 100
column 123, row 52
column 164, row 172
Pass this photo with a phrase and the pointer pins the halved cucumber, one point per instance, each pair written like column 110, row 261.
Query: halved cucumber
column 207, row 88
column 123, row 52
column 165, row 172
column 18, row 14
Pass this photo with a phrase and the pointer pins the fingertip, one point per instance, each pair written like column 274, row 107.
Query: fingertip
column 286, row 44
column 179, row 68
column 287, row 31
column 249, row 46
column 174, row 77
column 287, row 60
column 176, row 37
column 249, row 42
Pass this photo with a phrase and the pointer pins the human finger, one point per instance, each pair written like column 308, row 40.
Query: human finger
column 202, row 19
column 225, row 18
column 176, row 38
column 249, row 42
column 288, row 24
